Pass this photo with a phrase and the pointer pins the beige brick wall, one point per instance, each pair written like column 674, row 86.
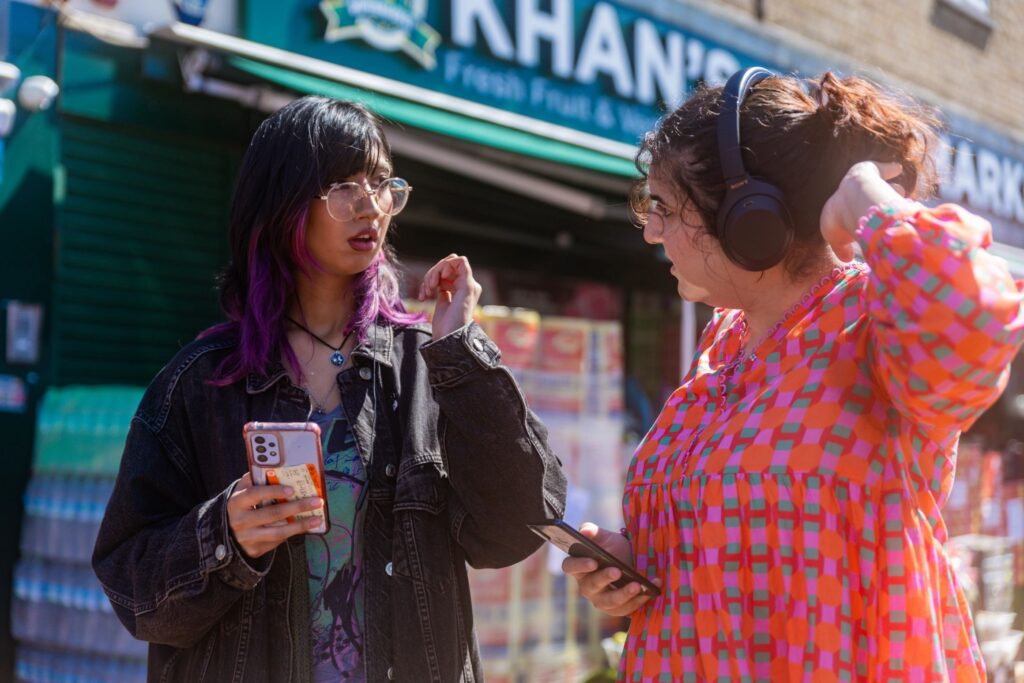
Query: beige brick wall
column 897, row 39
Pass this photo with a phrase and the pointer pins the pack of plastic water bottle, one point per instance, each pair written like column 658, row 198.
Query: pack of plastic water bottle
column 81, row 430
column 62, row 516
column 64, row 625
column 61, row 605
column 40, row 665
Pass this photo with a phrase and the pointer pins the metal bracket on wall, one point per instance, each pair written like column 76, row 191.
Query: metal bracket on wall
column 24, row 329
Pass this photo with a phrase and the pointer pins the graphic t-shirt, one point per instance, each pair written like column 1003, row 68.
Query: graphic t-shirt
column 335, row 586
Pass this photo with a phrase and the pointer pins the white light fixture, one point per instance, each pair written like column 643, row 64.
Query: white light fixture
column 37, row 93
column 9, row 75
column 1017, row 405
column 7, row 111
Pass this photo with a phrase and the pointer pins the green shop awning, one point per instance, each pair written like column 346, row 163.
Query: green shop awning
column 439, row 121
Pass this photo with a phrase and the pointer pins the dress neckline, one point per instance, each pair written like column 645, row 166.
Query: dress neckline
column 732, row 355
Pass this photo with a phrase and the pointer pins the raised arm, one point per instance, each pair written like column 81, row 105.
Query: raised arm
column 945, row 314
column 503, row 474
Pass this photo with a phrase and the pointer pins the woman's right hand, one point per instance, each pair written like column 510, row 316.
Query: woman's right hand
column 594, row 584
column 866, row 184
column 252, row 526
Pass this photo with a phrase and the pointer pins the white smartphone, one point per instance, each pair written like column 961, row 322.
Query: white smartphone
column 289, row 453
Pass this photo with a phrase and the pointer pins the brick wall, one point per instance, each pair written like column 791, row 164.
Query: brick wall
column 901, row 40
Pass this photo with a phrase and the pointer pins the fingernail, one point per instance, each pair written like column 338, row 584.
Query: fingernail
column 288, row 490
column 316, row 503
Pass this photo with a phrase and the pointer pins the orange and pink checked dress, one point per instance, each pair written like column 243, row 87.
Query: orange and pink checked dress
column 789, row 498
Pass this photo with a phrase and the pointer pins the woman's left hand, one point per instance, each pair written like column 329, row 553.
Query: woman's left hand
column 451, row 282
column 866, row 184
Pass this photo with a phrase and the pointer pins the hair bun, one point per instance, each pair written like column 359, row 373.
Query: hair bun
column 869, row 123
column 828, row 102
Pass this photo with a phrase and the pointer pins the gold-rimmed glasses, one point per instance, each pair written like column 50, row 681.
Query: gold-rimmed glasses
column 390, row 197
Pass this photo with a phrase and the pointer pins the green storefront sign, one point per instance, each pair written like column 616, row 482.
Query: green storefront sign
column 597, row 67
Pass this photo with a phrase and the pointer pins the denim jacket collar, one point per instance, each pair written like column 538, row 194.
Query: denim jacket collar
column 376, row 346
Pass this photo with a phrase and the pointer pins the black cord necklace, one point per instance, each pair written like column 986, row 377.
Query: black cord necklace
column 337, row 358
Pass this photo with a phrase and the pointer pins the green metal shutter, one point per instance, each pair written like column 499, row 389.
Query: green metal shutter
column 141, row 237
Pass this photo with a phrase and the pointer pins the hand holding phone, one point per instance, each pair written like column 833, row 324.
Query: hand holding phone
column 288, row 454
column 575, row 544
column 259, row 526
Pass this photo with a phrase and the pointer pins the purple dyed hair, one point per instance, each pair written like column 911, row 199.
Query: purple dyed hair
column 294, row 156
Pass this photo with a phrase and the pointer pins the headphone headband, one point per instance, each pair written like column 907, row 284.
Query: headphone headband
column 729, row 150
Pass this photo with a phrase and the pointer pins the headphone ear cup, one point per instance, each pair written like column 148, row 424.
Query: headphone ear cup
column 754, row 226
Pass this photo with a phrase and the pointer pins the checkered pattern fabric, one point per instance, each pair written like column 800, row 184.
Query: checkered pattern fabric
column 789, row 502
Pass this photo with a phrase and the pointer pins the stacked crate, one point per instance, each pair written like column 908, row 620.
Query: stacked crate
column 529, row 617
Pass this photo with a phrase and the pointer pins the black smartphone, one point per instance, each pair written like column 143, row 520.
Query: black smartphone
column 575, row 544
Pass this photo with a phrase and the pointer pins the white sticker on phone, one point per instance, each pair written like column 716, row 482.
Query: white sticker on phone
column 302, row 478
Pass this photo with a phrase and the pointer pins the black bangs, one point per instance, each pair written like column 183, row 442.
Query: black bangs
column 351, row 142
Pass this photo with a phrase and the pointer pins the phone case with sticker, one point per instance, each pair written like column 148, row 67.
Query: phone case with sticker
column 289, row 453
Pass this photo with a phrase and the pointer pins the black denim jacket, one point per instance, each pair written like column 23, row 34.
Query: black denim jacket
column 457, row 466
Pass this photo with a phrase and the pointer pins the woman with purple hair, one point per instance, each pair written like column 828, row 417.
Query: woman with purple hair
column 431, row 457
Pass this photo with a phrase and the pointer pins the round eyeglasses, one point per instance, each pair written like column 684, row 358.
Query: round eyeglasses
column 389, row 197
column 655, row 208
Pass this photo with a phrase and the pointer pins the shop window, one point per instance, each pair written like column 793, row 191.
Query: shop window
column 970, row 20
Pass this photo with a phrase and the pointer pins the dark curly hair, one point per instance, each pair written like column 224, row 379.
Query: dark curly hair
column 802, row 136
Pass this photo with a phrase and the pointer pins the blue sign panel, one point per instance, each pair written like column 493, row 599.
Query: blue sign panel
column 190, row 11
column 593, row 66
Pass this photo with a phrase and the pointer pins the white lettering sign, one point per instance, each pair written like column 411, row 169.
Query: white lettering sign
column 604, row 51
column 659, row 65
column 984, row 180
column 467, row 14
column 532, row 26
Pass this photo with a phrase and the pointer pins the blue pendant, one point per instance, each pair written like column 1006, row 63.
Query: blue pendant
column 337, row 358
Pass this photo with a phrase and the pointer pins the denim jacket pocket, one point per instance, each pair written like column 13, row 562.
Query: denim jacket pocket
column 420, row 485
column 421, row 544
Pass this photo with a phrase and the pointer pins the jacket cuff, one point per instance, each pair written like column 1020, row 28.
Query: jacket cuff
column 458, row 354
column 220, row 554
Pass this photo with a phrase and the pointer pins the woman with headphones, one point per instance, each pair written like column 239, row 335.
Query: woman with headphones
column 788, row 497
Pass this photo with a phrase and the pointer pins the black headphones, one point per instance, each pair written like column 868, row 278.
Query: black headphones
column 754, row 226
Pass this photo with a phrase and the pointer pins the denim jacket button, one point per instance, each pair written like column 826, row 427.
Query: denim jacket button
column 389, row 470
column 391, row 674
column 365, row 373
column 389, row 569
column 478, row 345
column 220, row 552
